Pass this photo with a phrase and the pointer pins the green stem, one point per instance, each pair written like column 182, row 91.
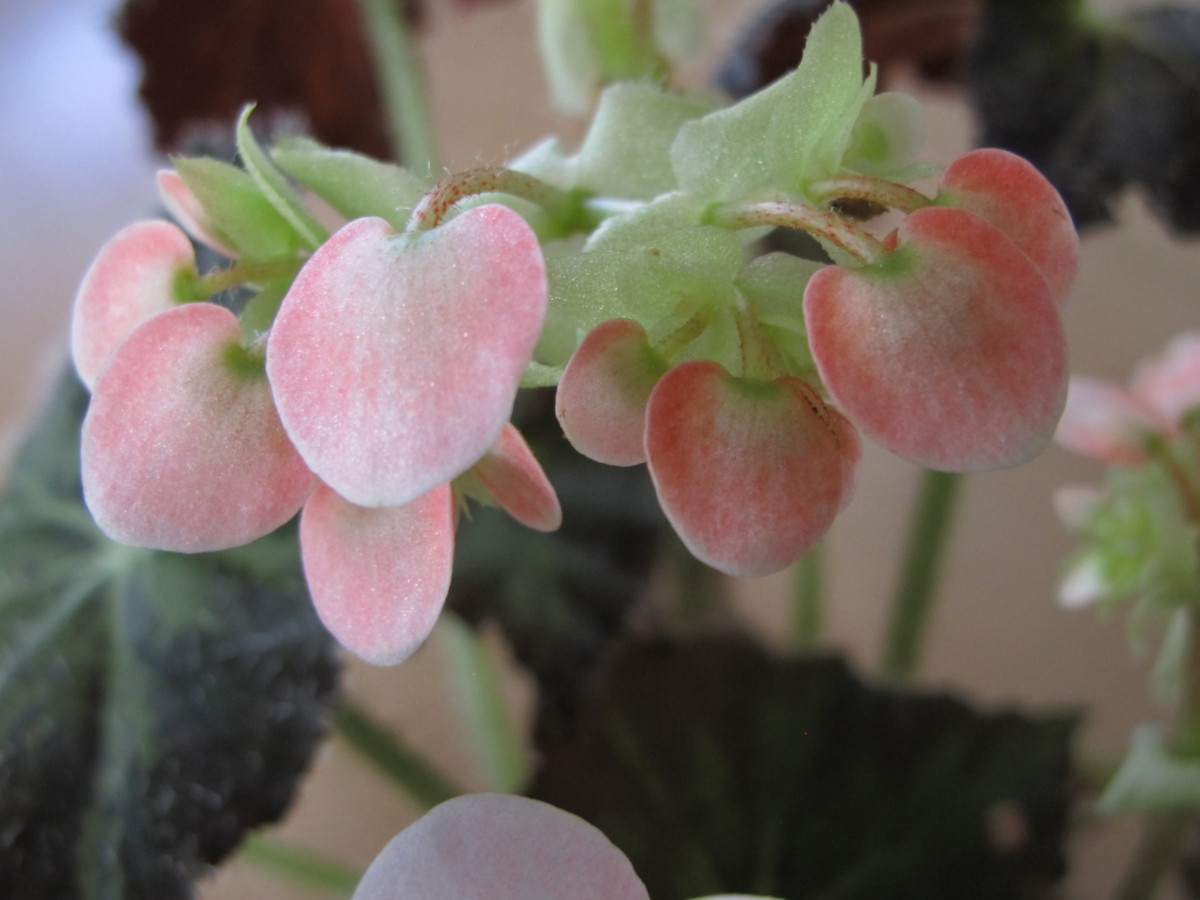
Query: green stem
column 821, row 223
column 808, row 612
column 402, row 84
column 476, row 679
column 914, row 595
column 1159, row 851
column 398, row 763
column 566, row 208
column 876, row 190
column 300, row 865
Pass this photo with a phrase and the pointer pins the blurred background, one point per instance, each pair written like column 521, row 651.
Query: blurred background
column 76, row 163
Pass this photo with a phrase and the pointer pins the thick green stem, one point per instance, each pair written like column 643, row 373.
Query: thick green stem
column 398, row 763
column 301, row 865
column 839, row 231
column 914, row 597
column 402, row 85
column 808, row 613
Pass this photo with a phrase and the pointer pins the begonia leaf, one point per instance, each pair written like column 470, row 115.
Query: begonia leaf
column 1097, row 104
column 153, row 706
column 718, row 768
column 787, row 135
column 395, row 359
column 499, row 847
column 354, row 185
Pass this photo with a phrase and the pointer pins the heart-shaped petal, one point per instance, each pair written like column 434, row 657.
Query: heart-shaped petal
column 182, row 447
column 513, row 477
column 751, row 474
column 395, row 359
column 601, row 399
column 1106, row 422
column 949, row 352
column 1013, row 195
column 1170, row 382
column 378, row 576
column 135, row 276
column 500, row 847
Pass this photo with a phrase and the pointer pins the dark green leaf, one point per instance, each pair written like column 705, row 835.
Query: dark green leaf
column 718, row 768
column 1097, row 106
column 153, row 706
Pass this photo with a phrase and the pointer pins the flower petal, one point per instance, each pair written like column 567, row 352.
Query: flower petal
column 751, row 474
column 133, row 277
column 516, row 481
column 378, row 576
column 395, row 359
column 182, row 447
column 1105, row 422
column 186, row 209
column 602, row 396
column 1013, row 195
column 949, row 352
column 500, row 847
column 1170, row 383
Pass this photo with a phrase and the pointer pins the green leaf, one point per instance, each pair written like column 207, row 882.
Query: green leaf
column 353, row 184
column 1150, row 779
column 240, row 215
column 792, row 133
column 153, row 706
column 719, row 769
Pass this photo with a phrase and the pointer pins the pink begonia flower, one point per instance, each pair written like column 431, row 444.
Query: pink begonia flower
column 500, row 847
column 136, row 275
column 185, row 209
column 503, row 847
column 1113, row 424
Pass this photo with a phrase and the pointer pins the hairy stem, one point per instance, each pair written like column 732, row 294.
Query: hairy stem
column 808, row 610
column 839, row 231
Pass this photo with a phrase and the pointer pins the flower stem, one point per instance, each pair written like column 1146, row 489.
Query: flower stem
column 839, row 231
column 877, row 190
column 564, row 207
column 808, row 610
column 397, row 762
column 300, row 865
column 913, row 600
column 402, row 84
column 476, row 678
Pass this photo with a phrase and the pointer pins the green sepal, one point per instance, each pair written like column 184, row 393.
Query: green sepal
column 238, row 213
column 1151, row 779
column 275, row 186
column 354, row 185
column 789, row 135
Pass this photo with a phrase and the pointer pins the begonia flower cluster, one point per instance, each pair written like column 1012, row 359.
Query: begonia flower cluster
column 369, row 378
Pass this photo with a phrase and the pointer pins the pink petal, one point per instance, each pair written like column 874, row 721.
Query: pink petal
column 500, row 847
column 182, row 447
column 601, row 399
column 750, row 474
column 378, row 576
column 1105, row 422
column 1014, row 196
column 395, row 359
column 513, row 477
column 134, row 276
column 950, row 352
column 1170, row 383
column 185, row 209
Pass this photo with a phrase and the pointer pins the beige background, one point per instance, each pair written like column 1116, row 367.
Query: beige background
column 74, row 167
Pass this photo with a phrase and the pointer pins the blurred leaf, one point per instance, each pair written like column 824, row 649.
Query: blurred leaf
column 153, row 706
column 1097, row 105
column 719, row 769
column 561, row 598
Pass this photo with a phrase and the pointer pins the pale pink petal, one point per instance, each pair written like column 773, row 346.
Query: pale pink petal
column 135, row 276
column 516, row 481
column 395, row 359
column 1170, row 383
column 1076, row 504
column 1014, row 196
column 750, row 474
column 182, row 447
column 500, row 847
column 1105, row 422
column 601, row 399
column 950, row 352
column 185, row 209
column 378, row 576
